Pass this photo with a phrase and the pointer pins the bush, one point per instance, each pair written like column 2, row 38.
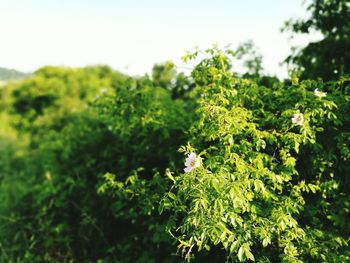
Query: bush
column 101, row 176
column 268, row 188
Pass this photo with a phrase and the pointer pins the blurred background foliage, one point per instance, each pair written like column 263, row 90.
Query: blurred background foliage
column 327, row 58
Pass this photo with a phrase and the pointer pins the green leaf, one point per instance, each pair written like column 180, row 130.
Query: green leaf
column 240, row 254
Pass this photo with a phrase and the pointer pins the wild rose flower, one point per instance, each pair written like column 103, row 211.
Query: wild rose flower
column 320, row 94
column 298, row 119
column 192, row 161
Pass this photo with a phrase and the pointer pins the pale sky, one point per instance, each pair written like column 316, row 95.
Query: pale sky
column 132, row 35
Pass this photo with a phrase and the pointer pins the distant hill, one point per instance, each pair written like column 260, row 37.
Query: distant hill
column 11, row 74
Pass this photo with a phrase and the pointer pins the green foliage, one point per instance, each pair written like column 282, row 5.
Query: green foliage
column 329, row 57
column 69, row 212
column 251, row 58
column 165, row 76
column 256, row 194
column 46, row 101
column 92, row 166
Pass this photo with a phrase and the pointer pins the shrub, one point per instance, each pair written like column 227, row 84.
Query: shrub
column 97, row 159
column 268, row 189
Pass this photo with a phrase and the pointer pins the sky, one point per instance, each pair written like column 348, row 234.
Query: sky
column 132, row 35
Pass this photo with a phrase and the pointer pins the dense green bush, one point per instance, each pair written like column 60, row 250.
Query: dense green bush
column 64, row 213
column 267, row 188
column 94, row 170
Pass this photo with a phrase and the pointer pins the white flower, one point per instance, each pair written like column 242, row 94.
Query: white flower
column 192, row 161
column 298, row 119
column 104, row 90
column 320, row 94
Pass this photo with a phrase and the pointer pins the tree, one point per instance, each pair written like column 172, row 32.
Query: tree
column 251, row 58
column 165, row 75
column 328, row 58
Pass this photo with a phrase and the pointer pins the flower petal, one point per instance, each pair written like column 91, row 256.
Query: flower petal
column 190, row 159
column 188, row 169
